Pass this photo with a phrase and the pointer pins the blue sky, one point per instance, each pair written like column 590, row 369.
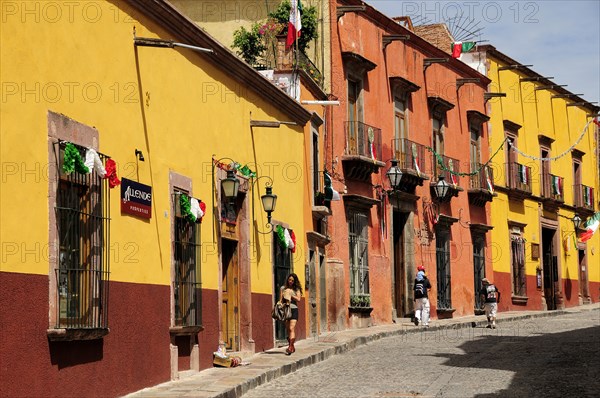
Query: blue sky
column 560, row 38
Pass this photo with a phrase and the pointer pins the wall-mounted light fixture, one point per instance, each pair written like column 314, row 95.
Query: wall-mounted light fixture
column 230, row 185
column 139, row 155
column 441, row 188
column 269, row 200
column 576, row 222
column 394, row 174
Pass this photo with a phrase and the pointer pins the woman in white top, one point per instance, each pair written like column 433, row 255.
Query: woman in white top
column 291, row 293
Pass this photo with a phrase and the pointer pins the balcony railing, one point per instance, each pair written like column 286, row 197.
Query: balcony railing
column 484, row 179
column 304, row 63
column 584, row 196
column 553, row 187
column 410, row 155
column 451, row 166
column 518, row 177
column 363, row 140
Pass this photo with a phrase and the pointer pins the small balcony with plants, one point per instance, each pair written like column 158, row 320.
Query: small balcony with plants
column 363, row 151
column 264, row 46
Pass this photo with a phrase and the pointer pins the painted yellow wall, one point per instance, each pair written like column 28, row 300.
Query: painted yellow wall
column 170, row 103
column 539, row 114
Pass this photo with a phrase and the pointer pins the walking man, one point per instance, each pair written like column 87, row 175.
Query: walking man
column 421, row 288
column 491, row 296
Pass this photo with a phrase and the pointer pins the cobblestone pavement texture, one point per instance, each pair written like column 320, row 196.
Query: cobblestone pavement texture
column 530, row 354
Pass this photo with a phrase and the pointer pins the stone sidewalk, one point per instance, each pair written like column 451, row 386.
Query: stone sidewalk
column 266, row 366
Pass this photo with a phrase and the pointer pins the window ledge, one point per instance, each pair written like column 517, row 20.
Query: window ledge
column 519, row 299
column 446, row 310
column 185, row 330
column 76, row 334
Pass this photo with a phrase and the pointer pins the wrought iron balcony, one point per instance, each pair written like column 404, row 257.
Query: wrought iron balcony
column 449, row 170
column 552, row 191
column 518, row 180
column 583, row 199
column 363, row 151
column 481, row 185
column 411, row 160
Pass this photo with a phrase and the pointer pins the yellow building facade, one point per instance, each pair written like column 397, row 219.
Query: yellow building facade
column 126, row 281
column 546, row 176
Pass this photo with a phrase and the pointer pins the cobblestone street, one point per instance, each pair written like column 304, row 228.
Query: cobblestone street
column 543, row 357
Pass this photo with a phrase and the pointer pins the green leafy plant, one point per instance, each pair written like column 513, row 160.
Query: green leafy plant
column 255, row 44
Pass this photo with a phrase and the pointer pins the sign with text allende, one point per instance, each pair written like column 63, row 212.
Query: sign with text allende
column 136, row 198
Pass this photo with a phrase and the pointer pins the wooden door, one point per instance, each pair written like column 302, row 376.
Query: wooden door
column 230, row 295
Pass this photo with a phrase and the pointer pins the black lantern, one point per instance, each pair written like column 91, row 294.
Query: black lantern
column 577, row 221
column 394, row 174
column 441, row 188
column 230, row 185
column 269, row 200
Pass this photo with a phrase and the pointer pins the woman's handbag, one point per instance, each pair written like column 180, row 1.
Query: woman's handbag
column 281, row 312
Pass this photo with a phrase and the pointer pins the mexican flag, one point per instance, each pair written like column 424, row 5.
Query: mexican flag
column 591, row 226
column 295, row 23
column 460, row 47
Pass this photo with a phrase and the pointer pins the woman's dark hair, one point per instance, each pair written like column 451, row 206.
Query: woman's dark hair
column 297, row 285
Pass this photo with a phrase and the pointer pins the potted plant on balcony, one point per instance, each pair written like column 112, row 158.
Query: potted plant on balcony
column 259, row 43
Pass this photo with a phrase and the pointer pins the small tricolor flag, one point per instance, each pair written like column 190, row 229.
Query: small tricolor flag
column 460, row 47
column 591, row 226
column 295, row 23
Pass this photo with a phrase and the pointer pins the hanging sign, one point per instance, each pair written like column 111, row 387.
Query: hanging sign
column 136, row 198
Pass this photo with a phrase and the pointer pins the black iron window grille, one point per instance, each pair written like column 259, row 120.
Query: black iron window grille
column 517, row 249
column 187, row 286
column 359, row 256
column 83, row 218
column 442, row 246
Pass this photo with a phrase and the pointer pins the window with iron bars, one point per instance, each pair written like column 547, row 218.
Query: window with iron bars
column 82, row 275
column 187, row 287
column 358, row 236
column 517, row 255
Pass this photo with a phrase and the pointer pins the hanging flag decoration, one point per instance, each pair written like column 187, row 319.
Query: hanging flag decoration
column 523, row 173
column 198, row 209
column 453, row 176
column 93, row 162
column 460, row 47
column 587, row 196
column 279, row 230
column 489, row 181
column 73, row 161
column 294, row 24
column 591, row 226
column 330, row 193
column 556, row 185
column 111, row 173
column 416, row 158
column 293, row 236
column 371, row 135
column 597, row 122
column 288, row 240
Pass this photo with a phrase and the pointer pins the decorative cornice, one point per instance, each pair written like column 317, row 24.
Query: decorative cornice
column 477, row 117
column 511, row 126
column 403, row 84
column 357, row 61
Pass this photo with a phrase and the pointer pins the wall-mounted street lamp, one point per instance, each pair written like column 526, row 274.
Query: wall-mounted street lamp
column 576, row 222
column 394, row 174
column 441, row 188
column 269, row 201
column 230, row 185
column 139, row 155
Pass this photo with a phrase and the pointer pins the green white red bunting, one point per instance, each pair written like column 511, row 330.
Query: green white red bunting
column 73, row 162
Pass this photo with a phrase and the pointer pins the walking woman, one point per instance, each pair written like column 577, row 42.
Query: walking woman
column 291, row 292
